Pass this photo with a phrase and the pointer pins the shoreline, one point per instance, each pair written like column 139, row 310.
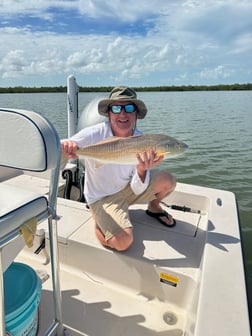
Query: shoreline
column 173, row 88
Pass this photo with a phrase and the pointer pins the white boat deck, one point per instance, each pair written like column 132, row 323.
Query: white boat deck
column 172, row 281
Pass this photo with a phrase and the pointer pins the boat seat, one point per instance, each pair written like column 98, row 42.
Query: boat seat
column 18, row 206
column 29, row 142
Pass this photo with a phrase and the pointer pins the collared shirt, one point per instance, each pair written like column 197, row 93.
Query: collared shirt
column 108, row 179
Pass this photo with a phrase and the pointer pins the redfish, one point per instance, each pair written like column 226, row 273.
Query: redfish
column 122, row 151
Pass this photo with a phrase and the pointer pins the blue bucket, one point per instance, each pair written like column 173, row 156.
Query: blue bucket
column 22, row 291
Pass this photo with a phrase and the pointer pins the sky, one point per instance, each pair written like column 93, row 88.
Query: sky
column 133, row 42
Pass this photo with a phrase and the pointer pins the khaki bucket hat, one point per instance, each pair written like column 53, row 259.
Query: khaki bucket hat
column 122, row 93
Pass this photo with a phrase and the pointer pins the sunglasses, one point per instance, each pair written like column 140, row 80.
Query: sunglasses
column 129, row 108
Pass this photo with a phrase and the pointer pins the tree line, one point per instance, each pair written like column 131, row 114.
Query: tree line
column 48, row 89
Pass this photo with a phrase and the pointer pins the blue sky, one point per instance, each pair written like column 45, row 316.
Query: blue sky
column 134, row 42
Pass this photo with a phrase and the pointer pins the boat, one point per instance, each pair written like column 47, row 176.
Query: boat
column 188, row 280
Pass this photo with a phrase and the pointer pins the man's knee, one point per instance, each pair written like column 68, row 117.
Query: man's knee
column 122, row 240
column 171, row 181
column 164, row 181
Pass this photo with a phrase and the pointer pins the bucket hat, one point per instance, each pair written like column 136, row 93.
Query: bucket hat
column 122, row 93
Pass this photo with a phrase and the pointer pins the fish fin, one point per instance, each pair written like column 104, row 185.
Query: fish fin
column 108, row 140
column 115, row 138
column 161, row 152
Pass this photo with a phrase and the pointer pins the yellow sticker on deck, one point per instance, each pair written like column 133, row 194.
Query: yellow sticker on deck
column 169, row 279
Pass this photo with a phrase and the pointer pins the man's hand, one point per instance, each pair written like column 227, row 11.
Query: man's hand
column 147, row 161
column 69, row 148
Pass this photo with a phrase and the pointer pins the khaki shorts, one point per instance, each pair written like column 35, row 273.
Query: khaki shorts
column 111, row 213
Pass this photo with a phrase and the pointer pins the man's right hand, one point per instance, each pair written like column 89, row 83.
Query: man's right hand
column 69, row 148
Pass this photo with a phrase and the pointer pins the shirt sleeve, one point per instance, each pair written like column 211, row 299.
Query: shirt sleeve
column 92, row 134
column 137, row 186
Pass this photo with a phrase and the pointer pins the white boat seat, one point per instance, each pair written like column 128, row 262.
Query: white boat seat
column 18, row 206
column 29, row 142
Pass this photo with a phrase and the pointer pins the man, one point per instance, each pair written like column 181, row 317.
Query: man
column 111, row 188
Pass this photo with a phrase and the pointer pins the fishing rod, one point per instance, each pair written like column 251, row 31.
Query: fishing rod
column 182, row 208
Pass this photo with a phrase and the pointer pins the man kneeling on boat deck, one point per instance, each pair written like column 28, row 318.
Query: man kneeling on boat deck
column 111, row 188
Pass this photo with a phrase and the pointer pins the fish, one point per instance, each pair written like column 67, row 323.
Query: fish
column 123, row 151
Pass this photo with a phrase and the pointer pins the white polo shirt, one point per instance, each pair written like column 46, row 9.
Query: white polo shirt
column 107, row 179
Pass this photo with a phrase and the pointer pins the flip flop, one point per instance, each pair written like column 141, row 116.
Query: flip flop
column 157, row 215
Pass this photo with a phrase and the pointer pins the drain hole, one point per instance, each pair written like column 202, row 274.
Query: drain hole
column 170, row 318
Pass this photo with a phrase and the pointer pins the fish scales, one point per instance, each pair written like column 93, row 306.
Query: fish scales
column 117, row 150
column 124, row 150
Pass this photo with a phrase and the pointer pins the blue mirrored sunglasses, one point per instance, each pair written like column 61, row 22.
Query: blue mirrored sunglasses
column 129, row 108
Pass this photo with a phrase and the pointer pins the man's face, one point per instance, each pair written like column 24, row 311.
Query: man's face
column 122, row 122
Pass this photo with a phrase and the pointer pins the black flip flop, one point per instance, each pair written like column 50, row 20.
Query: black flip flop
column 157, row 215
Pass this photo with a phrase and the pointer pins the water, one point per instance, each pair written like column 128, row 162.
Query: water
column 217, row 126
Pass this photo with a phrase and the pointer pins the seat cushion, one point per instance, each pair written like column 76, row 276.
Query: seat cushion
column 17, row 206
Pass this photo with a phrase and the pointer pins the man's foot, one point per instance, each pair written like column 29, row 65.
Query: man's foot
column 163, row 217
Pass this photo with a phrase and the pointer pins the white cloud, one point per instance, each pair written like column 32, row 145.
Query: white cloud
column 38, row 7
column 215, row 73
column 13, row 64
column 128, row 11
column 188, row 42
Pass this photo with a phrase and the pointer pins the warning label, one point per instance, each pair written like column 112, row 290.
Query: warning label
column 169, row 279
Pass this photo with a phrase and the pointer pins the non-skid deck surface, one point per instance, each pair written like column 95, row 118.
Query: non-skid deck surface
column 180, row 246
column 73, row 216
column 107, row 293
column 35, row 182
